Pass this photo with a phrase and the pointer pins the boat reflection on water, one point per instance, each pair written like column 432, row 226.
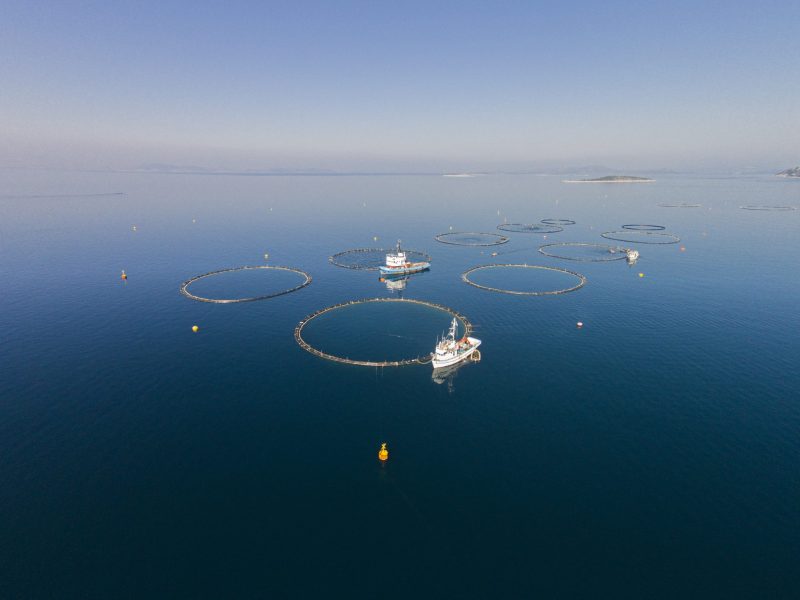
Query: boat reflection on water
column 448, row 374
column 396, row 283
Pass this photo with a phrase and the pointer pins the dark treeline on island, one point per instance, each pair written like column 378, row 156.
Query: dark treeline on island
column 612, row 179
column 793, row 172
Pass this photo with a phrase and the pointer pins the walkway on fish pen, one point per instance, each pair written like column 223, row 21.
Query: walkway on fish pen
column 185, row 285
column 420, row 360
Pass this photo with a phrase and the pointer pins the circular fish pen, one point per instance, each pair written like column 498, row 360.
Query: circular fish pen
column 680, row 205
column 184, row 289
column 594, row 252
column 370, row 259
column 558, row 221
column 530, row 227
column 767, row 208
column 641, row 237
column 418, row 360
column 465, row 277
column 636, row 227
column 471, row 238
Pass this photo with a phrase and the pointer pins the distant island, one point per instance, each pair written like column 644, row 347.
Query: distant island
column 611, row 179
column 794, row 172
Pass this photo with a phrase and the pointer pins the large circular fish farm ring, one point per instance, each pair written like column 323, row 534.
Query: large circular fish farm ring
column 419, row 360
column 370, row 259
column 471, row 238
column 654, row 237
column 530, row 228
column 185, row 285
column 581, row 279
column 680, row 205
column 634, row 227
column 558, row 221
column 763, row 207
column 614, row 252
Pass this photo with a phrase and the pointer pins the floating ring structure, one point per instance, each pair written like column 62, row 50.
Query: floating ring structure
column 581, row 279
column 667, row 238
column 767, row 208
column 530, row 228
column 558, row 221
column 614, row 252
column 185, row 285
column 420, row 360
column 499, row 239
column 681, row 205
column 336, row 259
column 636, row 227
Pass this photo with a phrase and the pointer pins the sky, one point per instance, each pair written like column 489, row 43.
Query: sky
column 393, row 86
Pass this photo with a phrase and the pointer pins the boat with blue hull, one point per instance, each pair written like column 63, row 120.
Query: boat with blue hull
column 398, row 264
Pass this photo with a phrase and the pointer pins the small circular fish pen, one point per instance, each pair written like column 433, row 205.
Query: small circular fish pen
column 767, row 208
column 184, row 289
column 465, row 277
column 680, row 205
column 371, row 259
column 471, row 238
column 530, row 227
column 558, row 221
column 641, row 237
column 636, row 227
column 419, row 360
column 594, row 252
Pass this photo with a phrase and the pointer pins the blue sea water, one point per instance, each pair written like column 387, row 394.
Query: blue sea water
column 655, row 452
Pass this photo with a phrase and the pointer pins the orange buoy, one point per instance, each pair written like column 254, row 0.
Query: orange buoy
column 124, row 275
column 683, row 248
column 383, row 453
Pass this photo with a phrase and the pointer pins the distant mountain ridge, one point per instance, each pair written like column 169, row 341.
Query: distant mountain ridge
column 793, row 172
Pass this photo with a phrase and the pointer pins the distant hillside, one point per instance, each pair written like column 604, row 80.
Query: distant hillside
column 612, row 179
column 794, row 172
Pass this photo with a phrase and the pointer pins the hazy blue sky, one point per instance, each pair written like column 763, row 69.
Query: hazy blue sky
column 423, row 85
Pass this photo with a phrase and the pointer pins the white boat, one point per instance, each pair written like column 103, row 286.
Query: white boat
column 450, row 351
column 398, row 264
column 632, row 255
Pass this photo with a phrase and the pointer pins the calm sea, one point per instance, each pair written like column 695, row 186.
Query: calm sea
column 655, row 452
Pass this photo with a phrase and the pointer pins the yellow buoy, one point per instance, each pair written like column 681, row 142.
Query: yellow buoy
column 641, row 274
column 383, row 453
column 195, row 328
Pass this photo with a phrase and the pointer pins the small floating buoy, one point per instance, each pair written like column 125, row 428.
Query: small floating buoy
column 194, row 220
column 266, row 255
column 383, row 453
column 195, row 328
column 374, row 238
column 124, row 275
column 683, row 248
column 641, row 274
column 579, row 324
column 451, row 228
column 133, row 228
